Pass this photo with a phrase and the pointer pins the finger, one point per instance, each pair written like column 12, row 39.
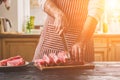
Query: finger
column 58, row 29
column 56, row 26
column 80, row 55
column 64, row 29
column 60, row 32
column 72, row 54
column 76, row 53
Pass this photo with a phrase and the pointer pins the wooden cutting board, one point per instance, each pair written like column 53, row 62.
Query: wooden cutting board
column 85, row 66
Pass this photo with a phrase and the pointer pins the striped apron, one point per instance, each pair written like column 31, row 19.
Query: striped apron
column 50, row 42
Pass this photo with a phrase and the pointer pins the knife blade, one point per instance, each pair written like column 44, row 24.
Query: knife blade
column 65, row 44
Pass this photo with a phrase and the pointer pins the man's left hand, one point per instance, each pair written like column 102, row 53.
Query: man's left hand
column 76, row 52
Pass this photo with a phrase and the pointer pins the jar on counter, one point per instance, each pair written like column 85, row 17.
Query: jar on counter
column 105, row 27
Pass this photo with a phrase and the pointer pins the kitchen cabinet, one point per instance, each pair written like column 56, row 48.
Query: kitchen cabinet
column 100, row 49
column 101, row 54
column 107, row 47
column 19, row 46
column 114, row 49
column 23, row 45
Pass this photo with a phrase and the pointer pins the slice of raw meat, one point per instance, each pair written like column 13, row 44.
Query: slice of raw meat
column 16, row 62
column 3, row 62
column 54, row 58
column 15, row 57
column 62, row 56
column 40, row 62
column 47, row 59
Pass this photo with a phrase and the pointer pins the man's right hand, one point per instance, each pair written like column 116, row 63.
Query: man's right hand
column 60, row 23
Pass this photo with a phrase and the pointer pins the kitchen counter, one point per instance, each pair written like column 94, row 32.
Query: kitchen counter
column 19, row 35
column 102, row 71
column 106, row 35
column 30, row 35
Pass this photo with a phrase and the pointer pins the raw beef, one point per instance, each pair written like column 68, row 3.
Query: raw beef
column 12, row 61
column 40, row 62
column 3, row 62
column 13, row 58
column 16, row 62
column 62, row 56
column 54, row 58
column 47, row 59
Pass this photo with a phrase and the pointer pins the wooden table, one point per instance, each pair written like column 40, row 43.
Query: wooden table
column 102, row 71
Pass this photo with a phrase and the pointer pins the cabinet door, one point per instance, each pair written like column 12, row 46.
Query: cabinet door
column 100, row 49
column 24, row 47
column 100, row 54
column 114, row 49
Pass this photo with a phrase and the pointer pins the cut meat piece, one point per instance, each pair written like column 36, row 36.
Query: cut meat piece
column 15, row 57
column 16, row 62
column 3, row 62
column 40, row 62
column 12, row 61
column 54, row 58
column 62, row 56
column 47, row 59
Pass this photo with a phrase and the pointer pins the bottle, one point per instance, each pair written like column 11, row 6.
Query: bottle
column 28, row 26
column 32, row 22
column 105, row 24
column 105, row 27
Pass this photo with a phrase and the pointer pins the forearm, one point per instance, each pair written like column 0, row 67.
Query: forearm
column 88, row 30
column 51, row 9
column 95, row 11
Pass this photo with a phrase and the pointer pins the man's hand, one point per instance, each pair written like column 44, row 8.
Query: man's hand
column 60, row 24
column 76, row 52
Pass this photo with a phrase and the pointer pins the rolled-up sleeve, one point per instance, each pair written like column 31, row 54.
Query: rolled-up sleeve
column 96, row 8
column 42, row 3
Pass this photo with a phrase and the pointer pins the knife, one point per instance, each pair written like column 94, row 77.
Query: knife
column 64, row 43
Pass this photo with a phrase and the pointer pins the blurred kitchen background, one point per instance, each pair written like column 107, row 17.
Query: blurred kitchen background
column 21, row 10
column 27, row 19
column 110, row 21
